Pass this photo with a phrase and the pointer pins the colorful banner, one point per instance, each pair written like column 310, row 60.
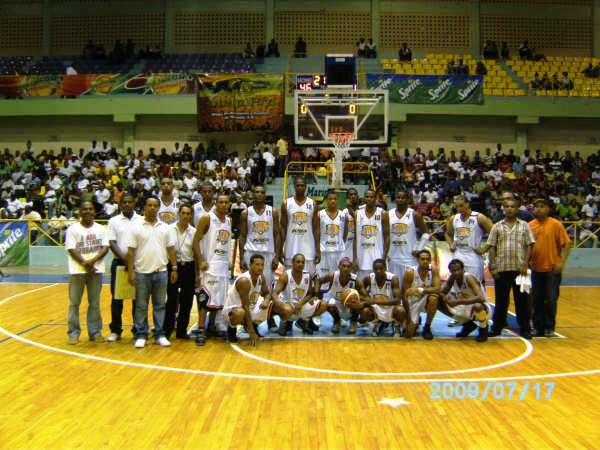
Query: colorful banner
column 429, row 89
column 13, row 86
column 14, row 244
column 240, row 102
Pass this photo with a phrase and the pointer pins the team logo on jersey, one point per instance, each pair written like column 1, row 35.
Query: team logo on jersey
column 369, row 231
column 380, row 298
column 298, row 293
column 167, row 217
column 223, row 237
column 299, row 218
column 299, row 221
column 332, row 230
column 399, row 228
column 261, row 227
column 462, row 234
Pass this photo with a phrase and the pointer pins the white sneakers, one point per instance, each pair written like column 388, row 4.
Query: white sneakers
column 113, row 337
column 163, row 342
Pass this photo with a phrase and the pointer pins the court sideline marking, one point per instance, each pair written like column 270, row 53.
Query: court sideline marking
column 525, row 354
column 272, row 377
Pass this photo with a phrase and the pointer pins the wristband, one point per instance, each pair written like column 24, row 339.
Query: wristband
column 421, row 290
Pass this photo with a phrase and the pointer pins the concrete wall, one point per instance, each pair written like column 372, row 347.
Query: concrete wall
column 577, row 20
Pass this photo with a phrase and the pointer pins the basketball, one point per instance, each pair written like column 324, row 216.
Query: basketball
column 349, row 296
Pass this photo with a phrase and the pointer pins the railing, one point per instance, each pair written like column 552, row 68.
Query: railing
column 52, row 231
column 324, row 169
column 48, row 231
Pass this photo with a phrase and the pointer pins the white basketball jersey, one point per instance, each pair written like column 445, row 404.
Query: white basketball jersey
column 337, row 288
column 384, row 292
column 233, row 296
column 199, row 211
column 349, row 252
column 260, row 231
column 299, row 236
column 168, row 213
column 463, row 287
column 419, row 282
column 294, row 292
column 403, row 236
column 467, row 236
column 216, row 246
column 369, row 238
column 332, row 232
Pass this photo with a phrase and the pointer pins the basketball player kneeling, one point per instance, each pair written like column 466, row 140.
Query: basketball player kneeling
column 383, row 299
column 249, row 301
column 463, row 299
column 420, row 293
column 345, row 292
column 296, row 290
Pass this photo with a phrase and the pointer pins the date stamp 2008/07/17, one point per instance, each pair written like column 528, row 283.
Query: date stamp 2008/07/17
column 491, row 390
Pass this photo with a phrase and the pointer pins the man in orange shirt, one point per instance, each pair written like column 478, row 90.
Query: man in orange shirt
column 548, row 259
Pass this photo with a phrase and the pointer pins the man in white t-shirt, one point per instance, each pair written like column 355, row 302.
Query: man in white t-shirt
column 87, row 244
column 589, row 210
column 151, row 246
column 269, row 165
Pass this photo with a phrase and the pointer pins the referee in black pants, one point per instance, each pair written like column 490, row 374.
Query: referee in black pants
column 180, row 296
column 118, row 229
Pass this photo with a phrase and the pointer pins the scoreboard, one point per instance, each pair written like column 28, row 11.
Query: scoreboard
column 310, row 82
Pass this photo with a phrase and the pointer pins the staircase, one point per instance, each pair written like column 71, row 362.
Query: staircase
column 520, row 82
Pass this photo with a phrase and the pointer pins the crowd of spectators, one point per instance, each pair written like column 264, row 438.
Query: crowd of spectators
column 262, row 51
column 366, row 49
column 46, row 184
column 552, row 84
column 120, row 52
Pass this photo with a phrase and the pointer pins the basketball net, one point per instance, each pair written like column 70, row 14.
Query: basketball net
column 341, row 144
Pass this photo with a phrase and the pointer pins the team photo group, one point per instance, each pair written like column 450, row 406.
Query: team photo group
column 364, row 265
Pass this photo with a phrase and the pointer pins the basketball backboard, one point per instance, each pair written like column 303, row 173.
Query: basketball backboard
column 318, row 115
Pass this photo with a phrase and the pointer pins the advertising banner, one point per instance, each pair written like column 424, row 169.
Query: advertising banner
column 14, row 245
column 240, row 102
column 429, row 89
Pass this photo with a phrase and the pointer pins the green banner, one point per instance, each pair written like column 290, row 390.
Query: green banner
column 14, row 245
column 429, row 89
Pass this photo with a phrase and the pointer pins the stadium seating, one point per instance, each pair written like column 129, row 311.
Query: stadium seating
column 497, row 81
column 202, row 62
column 584, row 87
column 11, row 65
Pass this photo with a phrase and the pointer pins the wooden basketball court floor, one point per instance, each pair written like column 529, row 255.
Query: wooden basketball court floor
column 323, row 392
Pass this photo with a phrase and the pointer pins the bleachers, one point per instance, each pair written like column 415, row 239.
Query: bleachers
column 583, row 87
column 12, row 65
column 497, row 81
column 202, row 62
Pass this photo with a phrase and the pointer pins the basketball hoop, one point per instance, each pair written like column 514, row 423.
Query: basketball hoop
column 342, row 142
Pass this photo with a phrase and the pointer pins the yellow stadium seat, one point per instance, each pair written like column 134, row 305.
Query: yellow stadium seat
column 496, row 91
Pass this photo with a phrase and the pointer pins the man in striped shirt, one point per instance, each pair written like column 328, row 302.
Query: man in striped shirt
column 510, row 242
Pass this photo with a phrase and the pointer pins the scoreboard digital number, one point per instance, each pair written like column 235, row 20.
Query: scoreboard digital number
column 310, row 82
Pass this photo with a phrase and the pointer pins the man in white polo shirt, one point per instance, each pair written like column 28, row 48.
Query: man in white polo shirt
column 87, row 244
column 118, row 238
column 151, row 247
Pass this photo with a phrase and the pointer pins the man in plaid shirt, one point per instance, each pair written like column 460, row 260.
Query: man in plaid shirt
column 510, row 241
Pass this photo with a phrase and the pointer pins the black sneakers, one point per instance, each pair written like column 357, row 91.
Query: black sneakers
column 304, row 326
column 200, row 337
column 427, row 334
column 232, row 335
column 483, row 334
column 467, row 329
